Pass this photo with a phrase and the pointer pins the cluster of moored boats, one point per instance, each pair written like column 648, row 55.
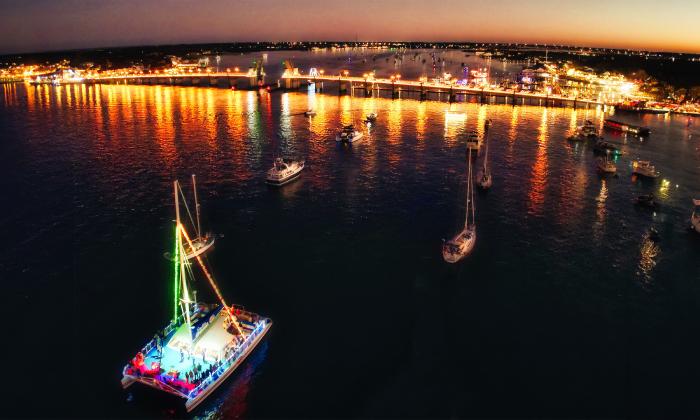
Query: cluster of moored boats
column 640, row 168
column 284, row 171
column 204, row 343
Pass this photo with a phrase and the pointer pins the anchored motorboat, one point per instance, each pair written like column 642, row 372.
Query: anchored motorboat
column 310, row 112
column 284, row 171
column 627, row 128
column 644, row 168
column 695, row 217
column 606, row 165
column 646, row 200
column 463, row 243
column 605, row 148
column 348, row 135
column 204, row 343
column 588, row 129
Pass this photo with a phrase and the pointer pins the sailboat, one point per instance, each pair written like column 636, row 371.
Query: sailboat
column 204, row 343
column 695, row 217
column 484, row 178
column 202, row 242
column 463, row 243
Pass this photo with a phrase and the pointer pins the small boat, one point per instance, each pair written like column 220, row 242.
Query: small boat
column 646, row 200
column 371, row 118
column 605, row 165
column 463, row 243
column 578, row 136
column 348, row 135
column 202, row 242
column 203, row 344
column 695, row 217
column 588, row 129
column 627, row 128
column 484, row 178
column 310, row 112
column 644, row 168
column 605, row 148
column 474, row 141
column 284, row 171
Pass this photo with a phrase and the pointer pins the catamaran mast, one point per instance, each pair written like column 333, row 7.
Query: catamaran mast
column 183, row 280
column 196, row 206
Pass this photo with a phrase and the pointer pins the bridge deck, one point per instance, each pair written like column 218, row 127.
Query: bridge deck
column 428, row 86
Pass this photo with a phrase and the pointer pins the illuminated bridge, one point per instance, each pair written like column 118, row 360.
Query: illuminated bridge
column 426, row 89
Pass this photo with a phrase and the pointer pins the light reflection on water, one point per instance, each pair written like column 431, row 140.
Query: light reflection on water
column 391, row 197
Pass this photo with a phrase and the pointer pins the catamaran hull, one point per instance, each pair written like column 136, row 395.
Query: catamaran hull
column 192, row 403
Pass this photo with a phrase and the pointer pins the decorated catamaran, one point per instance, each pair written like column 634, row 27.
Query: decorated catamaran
column 204, row 343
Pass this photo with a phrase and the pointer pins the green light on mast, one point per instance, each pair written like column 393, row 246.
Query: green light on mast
column 176, row 276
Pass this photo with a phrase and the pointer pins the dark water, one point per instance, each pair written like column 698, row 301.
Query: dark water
column 564, row 308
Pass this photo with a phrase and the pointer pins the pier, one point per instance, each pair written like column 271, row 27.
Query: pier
column 241, row 80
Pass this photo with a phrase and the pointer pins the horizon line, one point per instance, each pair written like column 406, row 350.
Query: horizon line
column 185, row 44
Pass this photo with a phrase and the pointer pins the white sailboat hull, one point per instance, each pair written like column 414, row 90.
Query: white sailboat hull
column 695, row 222
column 201, row 245
column 484, row 181
column 460, row 246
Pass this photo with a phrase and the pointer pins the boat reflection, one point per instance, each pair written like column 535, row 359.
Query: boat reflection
column 649, row 253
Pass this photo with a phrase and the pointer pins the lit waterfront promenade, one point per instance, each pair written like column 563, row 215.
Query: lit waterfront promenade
column 368, row 84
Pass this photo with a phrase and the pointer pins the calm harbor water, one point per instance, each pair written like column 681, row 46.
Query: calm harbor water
column 565, row 308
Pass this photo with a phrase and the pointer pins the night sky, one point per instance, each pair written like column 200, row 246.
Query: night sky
column 41, row 25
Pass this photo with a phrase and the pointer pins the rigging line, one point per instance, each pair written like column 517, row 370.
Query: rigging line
column 234, row 321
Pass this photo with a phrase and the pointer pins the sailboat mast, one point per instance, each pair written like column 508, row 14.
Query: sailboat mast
column 486, row 155
column 469, row 186
column 471, row 198
column 196, row 205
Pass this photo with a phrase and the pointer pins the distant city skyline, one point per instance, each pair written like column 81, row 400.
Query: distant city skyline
column 45, row 25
